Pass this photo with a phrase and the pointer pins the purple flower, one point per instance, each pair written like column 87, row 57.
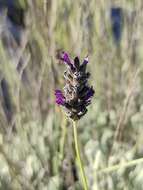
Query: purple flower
column 77, row 92
column 85, row 61
column 66, row 58
column 60, row 99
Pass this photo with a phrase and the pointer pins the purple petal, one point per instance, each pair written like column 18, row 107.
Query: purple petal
column 60, row 102
column 85, row 61
column 58, row 92
column 60, row 99
column 89, row 94
column 65, row 57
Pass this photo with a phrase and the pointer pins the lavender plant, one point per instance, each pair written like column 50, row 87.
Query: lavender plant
column 77, row 92
column 76, row 97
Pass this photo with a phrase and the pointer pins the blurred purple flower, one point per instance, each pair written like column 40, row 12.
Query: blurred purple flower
column 117, row 23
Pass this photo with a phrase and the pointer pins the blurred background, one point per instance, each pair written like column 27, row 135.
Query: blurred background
column 36, row 140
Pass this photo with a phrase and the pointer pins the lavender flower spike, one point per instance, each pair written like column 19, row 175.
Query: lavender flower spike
column 77, row 92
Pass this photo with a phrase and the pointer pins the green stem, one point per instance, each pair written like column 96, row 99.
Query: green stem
column 77, row 149
column 119, row 166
